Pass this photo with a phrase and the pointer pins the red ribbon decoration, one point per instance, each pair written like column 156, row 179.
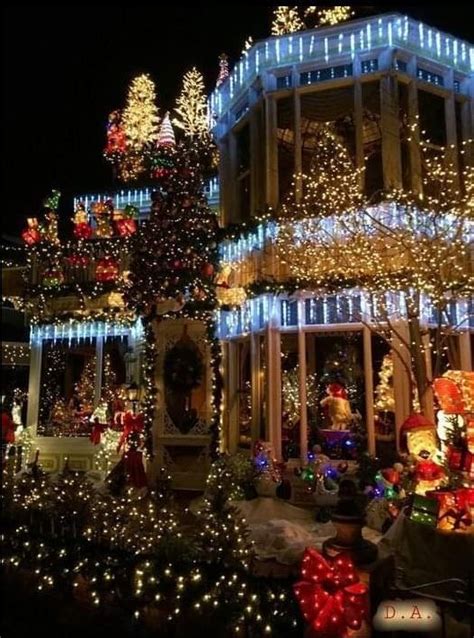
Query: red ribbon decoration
column 97, row 430
column 131, row 423
column 331, row 598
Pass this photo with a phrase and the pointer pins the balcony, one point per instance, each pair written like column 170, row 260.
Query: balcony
column 326, row 45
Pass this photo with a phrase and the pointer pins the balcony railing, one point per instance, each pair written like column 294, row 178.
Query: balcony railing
column 323, row 45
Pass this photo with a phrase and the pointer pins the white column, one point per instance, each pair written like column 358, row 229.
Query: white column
column 274, row 387
column 34, row 386
column 401, row 386
column 303, row 396
column 369, row 390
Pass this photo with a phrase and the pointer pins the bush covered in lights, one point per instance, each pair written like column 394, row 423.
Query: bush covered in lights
column 137, row 552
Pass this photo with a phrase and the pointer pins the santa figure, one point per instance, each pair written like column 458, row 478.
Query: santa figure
column 338, row 407
column 420, row 440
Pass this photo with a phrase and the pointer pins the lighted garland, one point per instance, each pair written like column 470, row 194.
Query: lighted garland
column 150, row 391
column 217, row 385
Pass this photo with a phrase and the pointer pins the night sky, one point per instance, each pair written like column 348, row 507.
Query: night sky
column 65, row 69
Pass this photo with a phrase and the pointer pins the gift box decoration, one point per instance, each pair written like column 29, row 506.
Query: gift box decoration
column 107, row 270
column 455, row 508
column 424, row 510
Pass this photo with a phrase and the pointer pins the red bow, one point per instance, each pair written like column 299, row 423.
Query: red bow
column 97, row 430
column 131, row 423
column 331, row 598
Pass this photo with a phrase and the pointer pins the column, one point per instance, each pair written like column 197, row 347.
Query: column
column 302, row 382
column 369, row 390
column 34, row 386
column 401, row 385
column 274, row 387
column 392, row 164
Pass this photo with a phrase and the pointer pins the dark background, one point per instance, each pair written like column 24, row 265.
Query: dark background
column 66, row 68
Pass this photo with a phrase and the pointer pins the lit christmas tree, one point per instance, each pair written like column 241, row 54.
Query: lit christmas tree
column 166, row 135
column 332, row 184
column 290, row 393
column 85, row 387
column 223, row 69
column 140, row 117
column 330, row 15
column 224, row 535
column 176, row 251
column 384, row 396
column 51, row 386
column 109, row 384
column 286, row 20
column 191, row 107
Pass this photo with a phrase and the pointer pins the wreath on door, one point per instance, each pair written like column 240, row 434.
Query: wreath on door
column 183, row 367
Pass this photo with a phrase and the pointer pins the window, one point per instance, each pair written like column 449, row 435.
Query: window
column 285, row 145
column 384, row 400
column 458, row 108
column 333, row 309
column 290, row 397
column 429, row 76
column 241, row 111
column 69, row 389
column 283, row 82
column 244, row 394
column 400, row 65
column 445, row 353
column 329, row 73
column 432, row 117
column 369, row 66
column 337, row 106
column 243, row 172
column 289, row 312
column 404, row 118
column 335, row 371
